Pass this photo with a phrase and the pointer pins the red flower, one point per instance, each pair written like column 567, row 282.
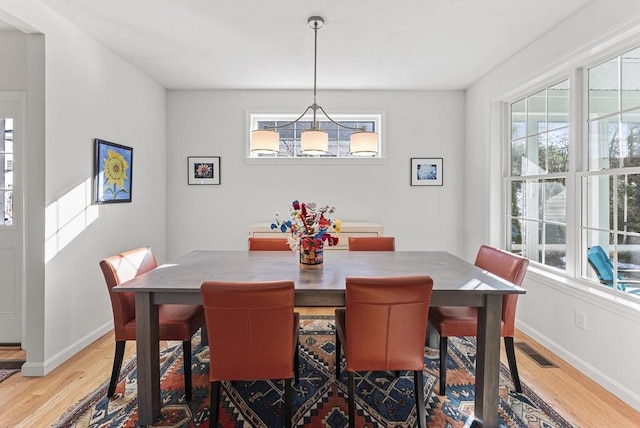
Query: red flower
column 324, row 223
column 310, row 243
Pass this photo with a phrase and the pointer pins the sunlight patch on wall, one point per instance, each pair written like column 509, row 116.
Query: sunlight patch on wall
column 67, row 217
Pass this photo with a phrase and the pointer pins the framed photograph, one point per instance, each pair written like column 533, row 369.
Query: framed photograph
column 203, row 170
column 426, row 171
column 112, row 172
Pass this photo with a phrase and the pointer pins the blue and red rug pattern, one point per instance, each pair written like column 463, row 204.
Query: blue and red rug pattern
column 382, row 399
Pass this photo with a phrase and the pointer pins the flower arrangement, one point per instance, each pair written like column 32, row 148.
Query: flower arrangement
column 308, row 226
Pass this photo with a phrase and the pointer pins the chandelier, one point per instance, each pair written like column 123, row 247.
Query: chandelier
column 314, row 141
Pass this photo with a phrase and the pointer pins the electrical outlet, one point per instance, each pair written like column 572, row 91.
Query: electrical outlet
column 581, row 320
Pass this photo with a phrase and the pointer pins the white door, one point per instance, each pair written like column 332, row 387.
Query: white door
column 12, row 117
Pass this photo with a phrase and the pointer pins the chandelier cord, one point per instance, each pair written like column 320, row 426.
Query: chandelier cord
column 315, row 58
column 313, row 140
column 315, row 69
column 314, row 107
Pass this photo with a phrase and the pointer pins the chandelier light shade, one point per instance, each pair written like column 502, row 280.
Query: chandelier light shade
column 265, row 142
column 364, row 143
column 314, row 142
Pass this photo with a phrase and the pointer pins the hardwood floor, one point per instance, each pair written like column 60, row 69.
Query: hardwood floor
column 39, row 402
column 577, row 398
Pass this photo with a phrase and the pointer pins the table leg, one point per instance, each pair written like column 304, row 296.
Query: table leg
column 488, row 361
column 148, row 359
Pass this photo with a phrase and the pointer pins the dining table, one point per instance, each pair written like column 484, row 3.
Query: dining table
column 456, row 282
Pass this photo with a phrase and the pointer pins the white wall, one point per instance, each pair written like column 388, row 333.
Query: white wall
column 89, row 93
column 13, row 66
column 213, row 123
column 546, row 312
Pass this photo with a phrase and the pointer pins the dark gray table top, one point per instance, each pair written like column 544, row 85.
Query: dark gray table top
column 187, row 273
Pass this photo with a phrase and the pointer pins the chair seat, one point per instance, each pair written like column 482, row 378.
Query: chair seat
column 456, row 320
column 177, row 322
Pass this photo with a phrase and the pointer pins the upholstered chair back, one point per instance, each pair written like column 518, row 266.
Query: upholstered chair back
column 121, row 268
column 372, row 243
column 507, row 266
column 268, row 244
column 252, row 332
column 386, row 321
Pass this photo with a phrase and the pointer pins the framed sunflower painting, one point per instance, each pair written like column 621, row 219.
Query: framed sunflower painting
column 112, row 172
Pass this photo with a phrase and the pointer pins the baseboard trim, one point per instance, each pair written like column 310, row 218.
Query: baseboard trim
column 42, row 368
column 588, row 370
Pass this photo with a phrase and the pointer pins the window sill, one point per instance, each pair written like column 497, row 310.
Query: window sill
column 604, row 297
column 312, row 161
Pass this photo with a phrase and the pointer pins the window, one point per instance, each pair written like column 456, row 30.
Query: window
column 611, row 184
column 539, row 178
column 6, row 171
column 338, row 137
column 539, row 162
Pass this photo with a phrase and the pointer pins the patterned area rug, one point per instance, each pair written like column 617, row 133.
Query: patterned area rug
column 383, row 400
column 5, row 374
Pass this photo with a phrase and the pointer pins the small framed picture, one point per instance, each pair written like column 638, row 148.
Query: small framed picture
column 426, row 171
column 112, row 172
column 203, row 170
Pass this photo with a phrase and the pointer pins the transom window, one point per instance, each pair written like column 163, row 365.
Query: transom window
column 338, row 137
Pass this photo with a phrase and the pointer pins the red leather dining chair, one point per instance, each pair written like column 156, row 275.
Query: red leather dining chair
column 253, row 334
column 382, row 328
column 455, row 321
column 372, row 243
column 268, row 244
column 177, row 322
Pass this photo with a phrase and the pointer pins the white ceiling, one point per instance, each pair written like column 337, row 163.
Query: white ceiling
column 261, row 44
